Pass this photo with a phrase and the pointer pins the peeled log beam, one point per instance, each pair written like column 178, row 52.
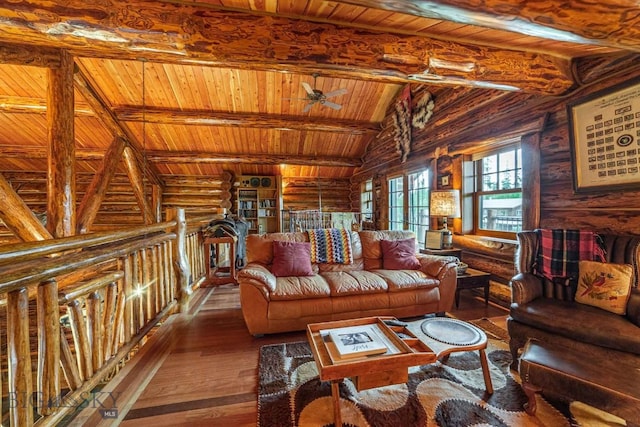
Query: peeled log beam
column 14, row 104
column 98, row 188
column 26, row 55
column 181, row 32
column 264, row 121
column 618, row 24
column 17, row 216
column 136, row 177
column 264, row 159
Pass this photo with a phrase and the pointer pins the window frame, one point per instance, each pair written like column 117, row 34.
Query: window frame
column 392, row 208
column 421, row 193
column 478, row 192
column 366, row 200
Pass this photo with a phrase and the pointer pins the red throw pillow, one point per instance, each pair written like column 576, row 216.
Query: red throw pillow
column 291, row 259
column 399, row 254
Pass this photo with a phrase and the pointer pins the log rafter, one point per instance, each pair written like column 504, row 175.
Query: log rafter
column 618, row 20
column 189, row 32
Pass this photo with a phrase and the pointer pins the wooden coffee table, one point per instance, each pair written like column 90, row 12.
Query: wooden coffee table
column 422, row 343
column 472, row 279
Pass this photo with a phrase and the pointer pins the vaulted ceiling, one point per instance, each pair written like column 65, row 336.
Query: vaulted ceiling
column 206, row 86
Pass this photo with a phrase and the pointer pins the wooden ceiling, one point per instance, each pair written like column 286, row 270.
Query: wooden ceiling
column 207, row 86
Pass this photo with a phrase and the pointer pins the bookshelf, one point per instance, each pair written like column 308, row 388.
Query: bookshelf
column 259, row 202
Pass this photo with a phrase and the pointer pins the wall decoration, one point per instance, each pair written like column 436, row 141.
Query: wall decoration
column 402, row 123
column 422, row 111
column 604, row 131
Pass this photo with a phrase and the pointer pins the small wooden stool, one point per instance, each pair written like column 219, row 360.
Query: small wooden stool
column 603, row 378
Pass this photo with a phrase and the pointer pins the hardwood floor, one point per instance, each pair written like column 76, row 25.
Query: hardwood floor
column 209, row 376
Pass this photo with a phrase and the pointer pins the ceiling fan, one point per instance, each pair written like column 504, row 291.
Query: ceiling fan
column 316, row 96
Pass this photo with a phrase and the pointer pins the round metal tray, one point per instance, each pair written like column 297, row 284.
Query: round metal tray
column 451, row 331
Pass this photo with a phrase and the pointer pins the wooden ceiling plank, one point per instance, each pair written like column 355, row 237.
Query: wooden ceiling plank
column 192, row 32
column 107, row 117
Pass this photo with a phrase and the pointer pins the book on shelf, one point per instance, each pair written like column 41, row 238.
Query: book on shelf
column 356, row 341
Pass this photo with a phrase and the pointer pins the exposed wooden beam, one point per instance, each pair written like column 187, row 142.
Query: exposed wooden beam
column 263, row 159
column 267, row 121
column 17, row 105
column 197, row 33
column 97, row 190
column 20, row 54
column 164, row 157
column 17, row 216
column 136, row 176
column 617, row 20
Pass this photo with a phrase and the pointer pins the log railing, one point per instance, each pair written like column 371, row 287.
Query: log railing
column 76, row 307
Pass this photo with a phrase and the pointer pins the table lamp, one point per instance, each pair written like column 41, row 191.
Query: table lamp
column 445, row 203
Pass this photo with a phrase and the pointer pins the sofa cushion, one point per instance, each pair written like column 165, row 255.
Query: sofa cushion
column 371, row 251
column 260, row 246
column 354, row 282
column 399, row 254
column 300, row 287
column 291, row 259
column 579, row 322
column 401, row 280
column 606, row 286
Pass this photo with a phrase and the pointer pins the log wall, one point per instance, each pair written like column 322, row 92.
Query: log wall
column 326, row 194
column 467, row 121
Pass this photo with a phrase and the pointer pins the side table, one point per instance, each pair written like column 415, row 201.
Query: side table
column 473, row 279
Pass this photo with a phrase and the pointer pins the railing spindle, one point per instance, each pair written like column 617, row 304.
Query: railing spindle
column 48, row 318
column 94, row 321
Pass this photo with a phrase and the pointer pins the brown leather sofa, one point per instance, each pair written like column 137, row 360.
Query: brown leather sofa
column 547, row 311
column 340, row 291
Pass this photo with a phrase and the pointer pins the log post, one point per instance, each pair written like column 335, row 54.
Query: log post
column 126, row 265
column 99, row 184
column 20, row 374
column 68, row 362
column 48, row 346
column 109, row 320
column 180, row 263
column 531, row 181
column 61, row 179
column 156, row 202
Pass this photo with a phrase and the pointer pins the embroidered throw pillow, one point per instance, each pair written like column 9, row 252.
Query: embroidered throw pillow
column 399, row 254
column 606, row 286
column 291, row 259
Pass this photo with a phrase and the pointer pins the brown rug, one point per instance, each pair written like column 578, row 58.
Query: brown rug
column 441, row 394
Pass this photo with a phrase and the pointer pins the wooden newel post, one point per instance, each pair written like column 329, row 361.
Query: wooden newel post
column 48, row 347
column 180, row 262
column 19, row 354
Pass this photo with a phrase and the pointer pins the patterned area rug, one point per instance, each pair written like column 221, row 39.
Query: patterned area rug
column 441, row 394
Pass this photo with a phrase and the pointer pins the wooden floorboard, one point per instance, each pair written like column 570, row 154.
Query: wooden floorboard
column 209, row 378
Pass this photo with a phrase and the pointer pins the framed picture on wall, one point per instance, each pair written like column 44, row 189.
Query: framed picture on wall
column 604, row 132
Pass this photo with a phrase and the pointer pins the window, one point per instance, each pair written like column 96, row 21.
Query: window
column 366, row 200
column 418, row 192
column 499, row 199
column 396, row 203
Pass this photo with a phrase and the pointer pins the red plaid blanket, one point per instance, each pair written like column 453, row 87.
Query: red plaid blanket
column 560, row 252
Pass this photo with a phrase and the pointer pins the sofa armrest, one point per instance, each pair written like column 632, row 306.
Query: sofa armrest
column 525, row 287
column 633, row 307
column 435, row 265
column 259, row 276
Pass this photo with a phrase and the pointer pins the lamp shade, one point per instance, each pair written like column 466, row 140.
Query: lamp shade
column 445, row 203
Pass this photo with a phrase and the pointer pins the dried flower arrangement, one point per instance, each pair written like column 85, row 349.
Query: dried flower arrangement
column 423, row 111
column 401, row 121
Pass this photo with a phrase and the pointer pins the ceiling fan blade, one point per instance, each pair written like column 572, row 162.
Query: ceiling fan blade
column 308, row 88
column 336, row 93
column 308, row 107
column 332, row 105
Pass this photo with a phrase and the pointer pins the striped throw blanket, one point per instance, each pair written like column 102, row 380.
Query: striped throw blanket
column 330, row 245
column 560, row 252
